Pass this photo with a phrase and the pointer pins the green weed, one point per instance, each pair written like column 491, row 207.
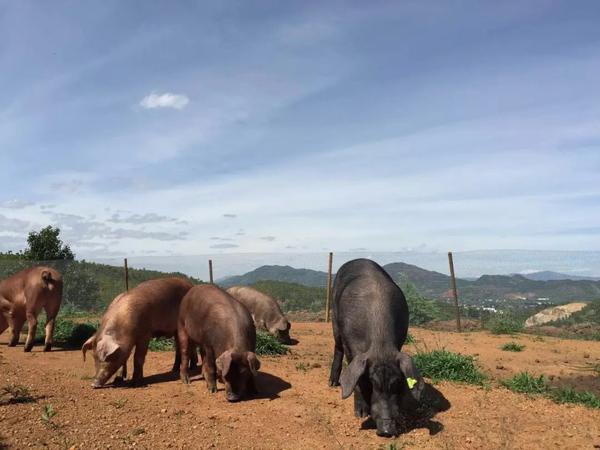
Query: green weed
column 525, row 383
column 446, row 365
column 512, row 347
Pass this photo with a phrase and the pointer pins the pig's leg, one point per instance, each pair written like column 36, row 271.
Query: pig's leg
column 183, row 341
column 120, row 378
column 16, row 322
column 51, row 313
column 139, row 356
column 177, row 362
column 193, row 358
column 32, row 325
column 209, row 369
column 362, row 399
column 336, row 365
column 3, row 323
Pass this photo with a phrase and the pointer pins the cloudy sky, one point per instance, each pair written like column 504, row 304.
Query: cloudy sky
column 165, row 128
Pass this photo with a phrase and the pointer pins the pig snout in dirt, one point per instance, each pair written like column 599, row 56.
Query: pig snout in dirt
column 108, row 357
column 265, row 311
column 370, row 324
column 237, row 372
column 227, row 346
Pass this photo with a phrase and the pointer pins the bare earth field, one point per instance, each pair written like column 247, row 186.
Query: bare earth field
column 297, row 408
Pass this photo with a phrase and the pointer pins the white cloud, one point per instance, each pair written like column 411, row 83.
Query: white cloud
column 166, row 100
column 15, row 204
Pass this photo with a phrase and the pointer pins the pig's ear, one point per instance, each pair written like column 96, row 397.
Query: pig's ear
column 106, row 347
column 253, row 363
column 415, row 381
column 87, row 345
column 223, row 363
column 352, row 373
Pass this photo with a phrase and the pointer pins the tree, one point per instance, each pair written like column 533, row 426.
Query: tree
column 45, row 245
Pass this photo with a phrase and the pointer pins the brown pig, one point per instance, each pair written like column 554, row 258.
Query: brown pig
column 23, row 295
column 132, row 319
column 222, row 328
column 265, row 311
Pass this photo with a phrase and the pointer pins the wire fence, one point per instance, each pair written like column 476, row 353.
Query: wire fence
column 302, row 283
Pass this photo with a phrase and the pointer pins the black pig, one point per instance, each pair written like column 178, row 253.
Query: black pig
column 370, row 323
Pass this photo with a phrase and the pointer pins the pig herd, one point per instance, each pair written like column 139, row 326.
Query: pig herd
column 370, row 324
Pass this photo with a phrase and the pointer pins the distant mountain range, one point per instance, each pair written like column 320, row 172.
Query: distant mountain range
column 551, row 287
column 548, row 275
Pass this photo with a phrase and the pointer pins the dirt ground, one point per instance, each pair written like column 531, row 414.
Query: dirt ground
column 296, row 409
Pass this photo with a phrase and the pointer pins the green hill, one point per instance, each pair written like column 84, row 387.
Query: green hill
column 306, row 277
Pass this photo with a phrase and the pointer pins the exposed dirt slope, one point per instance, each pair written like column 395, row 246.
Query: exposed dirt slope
column 298, row 409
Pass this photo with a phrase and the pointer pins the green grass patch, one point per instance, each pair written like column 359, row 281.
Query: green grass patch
column 267, row 344
column 570, row 395
column 525, row 383
column 410, row 339
column 161, row 344
column 446, row 365
column 504, row 324
column 512, row 347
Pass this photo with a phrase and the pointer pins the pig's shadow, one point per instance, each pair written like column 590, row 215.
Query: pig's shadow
column 432, row 402
column 269, row 386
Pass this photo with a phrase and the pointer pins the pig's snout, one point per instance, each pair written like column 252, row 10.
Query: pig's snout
column 387, row 428
column 233, row 397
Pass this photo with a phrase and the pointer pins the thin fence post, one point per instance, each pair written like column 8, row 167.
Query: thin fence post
column 126, row 275
column 210, row 271
column 454, row 291
column 328, row 298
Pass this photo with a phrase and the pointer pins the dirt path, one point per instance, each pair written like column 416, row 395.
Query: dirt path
column 298, row 409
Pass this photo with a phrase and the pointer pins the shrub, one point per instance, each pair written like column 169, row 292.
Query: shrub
column 512, row 347
column 570, row 395
column 504, row 324
column 421, row 310
column 267, row 344
column 525, row 383
column 446, row 365
column 67, row 333
column 161, row 344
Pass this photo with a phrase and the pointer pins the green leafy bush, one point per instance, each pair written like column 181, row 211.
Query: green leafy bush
column 267, row 344
column 446, row 365
column 504, row 324
column 67, row 333
column 512, row 347
column 161, row 344
column 421, row 310
column 525, row 383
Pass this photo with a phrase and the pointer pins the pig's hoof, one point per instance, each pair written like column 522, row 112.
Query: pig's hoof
column 361, row 411
column 28, row 348
column 333, row 383
column 12, row 344
column 185, row 379
column 137, row 382
column 47, row 347
column 212, row 389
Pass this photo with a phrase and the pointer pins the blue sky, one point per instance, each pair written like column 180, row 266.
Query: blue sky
column 167, row 128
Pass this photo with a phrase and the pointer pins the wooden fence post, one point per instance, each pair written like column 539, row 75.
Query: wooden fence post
column 454, row 291
column 328, row 298
column 126, row 275
column 210, row 271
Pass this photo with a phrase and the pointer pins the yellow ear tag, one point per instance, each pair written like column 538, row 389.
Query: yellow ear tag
column 411, row 382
